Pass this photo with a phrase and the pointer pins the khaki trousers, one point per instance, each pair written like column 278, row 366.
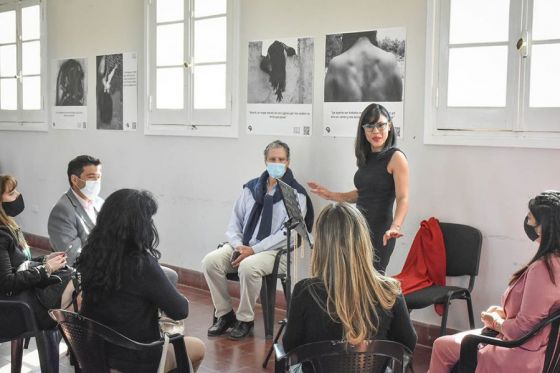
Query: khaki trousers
column 217, row 263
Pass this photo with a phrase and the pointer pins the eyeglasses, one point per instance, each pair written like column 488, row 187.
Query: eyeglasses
column 380, row 126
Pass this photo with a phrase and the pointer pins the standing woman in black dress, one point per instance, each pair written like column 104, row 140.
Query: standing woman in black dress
column 382, row 178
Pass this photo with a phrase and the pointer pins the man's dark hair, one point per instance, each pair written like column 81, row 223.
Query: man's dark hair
column 124, row 236
column 277, row 144
column 350, row 38
column 76, row 165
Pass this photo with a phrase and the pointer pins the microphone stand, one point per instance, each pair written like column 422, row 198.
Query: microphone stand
column 290, row 224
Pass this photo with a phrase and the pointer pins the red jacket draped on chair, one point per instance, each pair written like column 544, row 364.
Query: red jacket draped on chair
column 425, row 264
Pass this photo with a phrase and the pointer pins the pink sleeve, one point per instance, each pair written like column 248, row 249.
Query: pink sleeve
column 539, row 297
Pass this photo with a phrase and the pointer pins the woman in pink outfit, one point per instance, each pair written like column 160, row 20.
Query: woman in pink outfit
column 533, row 294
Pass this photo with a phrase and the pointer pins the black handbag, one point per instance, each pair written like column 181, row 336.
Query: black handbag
column 51, row 295
column 49, row 292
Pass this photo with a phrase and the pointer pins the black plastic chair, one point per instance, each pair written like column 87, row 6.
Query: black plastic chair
column 17, row 324
column 469, row 346
column 268, row 293
column 463, row 244
column 88, row 338
column 341, row 357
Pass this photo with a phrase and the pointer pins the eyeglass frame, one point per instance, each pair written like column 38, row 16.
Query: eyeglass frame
column 380, row 126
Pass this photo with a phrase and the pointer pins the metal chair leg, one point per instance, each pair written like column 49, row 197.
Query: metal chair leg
column 17, row 354
column 470, row 309
column 443, row 329
column 271, row 295
column 268, row 303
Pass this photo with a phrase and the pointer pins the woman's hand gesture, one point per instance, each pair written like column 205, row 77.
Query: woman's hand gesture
column 320, row 190
column 392, row 232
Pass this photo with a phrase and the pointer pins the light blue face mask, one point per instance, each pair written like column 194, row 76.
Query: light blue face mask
column 276, row 170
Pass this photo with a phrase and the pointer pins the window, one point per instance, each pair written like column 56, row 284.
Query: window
column 190, row 54
column 492, row 73
column 22, row 66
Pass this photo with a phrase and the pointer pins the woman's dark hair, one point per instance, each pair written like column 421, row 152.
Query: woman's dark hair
column 123, row 236
column 546, row 209
column 274, row 64
column 371, row 114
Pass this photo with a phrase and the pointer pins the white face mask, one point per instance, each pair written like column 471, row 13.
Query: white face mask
column 91, row 189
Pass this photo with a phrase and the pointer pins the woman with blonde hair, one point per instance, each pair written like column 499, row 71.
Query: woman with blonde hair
column 346, row 298
column 16, row 279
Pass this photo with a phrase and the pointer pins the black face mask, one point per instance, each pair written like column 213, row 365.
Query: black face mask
column 530, row 230
column 15, row 207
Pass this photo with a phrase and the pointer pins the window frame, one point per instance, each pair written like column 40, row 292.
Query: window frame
column 515, row 130
column 225, row 123
column 21, row 119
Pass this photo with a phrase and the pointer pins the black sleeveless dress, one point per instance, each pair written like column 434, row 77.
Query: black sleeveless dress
column 376, row 197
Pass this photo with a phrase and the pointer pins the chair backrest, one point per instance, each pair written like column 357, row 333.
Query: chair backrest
column 87, row 340
column 552, row 356
column 462, row 248
column 16, row 320
column 340, row 356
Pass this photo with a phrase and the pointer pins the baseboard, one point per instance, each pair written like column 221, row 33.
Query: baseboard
column 427, row 333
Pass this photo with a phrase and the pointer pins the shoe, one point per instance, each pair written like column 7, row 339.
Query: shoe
column 222, row 324
column 241, row 330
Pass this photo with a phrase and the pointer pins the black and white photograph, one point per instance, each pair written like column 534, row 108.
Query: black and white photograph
column 280, row 71
column 69, row 109
column 109, row 91
column 361, row 68
column 117, row 91
column 71, row 82
column 280, row 86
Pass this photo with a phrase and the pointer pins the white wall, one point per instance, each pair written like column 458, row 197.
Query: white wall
column 197, row 179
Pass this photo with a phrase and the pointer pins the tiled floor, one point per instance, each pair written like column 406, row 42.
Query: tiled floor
column 222, row 355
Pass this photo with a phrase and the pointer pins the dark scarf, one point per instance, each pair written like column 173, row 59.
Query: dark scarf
column 264, row 204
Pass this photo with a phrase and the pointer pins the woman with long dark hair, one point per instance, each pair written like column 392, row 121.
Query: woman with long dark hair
column 382, row 178
column 346, row 298
column 533, row 293
column 123, row 284
column 17, row 283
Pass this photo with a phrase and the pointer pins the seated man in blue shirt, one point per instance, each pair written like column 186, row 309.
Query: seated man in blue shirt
column 255, row 233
